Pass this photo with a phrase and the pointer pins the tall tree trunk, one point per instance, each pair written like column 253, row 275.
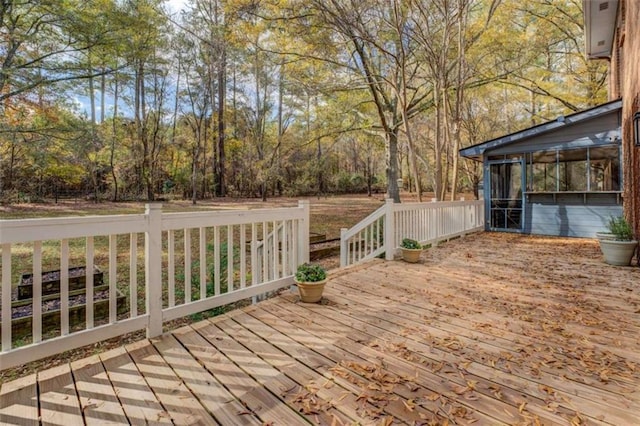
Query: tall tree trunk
column 392, row 164
column 457, row 119
column 114, row 135
column 446, row 136
column 92, row 101
column 103, row 89
column 221, row 158
column 437, row 143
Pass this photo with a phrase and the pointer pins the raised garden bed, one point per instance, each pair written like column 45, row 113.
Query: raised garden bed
column 51, row 281
column 315, row 237
column 21, row 310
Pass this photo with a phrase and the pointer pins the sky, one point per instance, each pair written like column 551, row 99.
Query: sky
column 176, row 5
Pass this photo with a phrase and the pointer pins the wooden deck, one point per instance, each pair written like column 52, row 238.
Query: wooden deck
column 489, row 329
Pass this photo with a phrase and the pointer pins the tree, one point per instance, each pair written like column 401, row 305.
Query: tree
column 384, row 63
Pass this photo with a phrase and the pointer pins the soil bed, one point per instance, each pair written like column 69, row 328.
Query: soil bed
column 54, row 305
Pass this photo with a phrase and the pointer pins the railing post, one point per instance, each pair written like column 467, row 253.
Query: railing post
column 389, row 230
column 343, row 248
column 303, row 233
column 153, row 269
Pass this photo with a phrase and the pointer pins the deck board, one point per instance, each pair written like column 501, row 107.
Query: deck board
column 19, row 401
column 258, row 399
column 58, row 400
column 182, row 406
column 408, row 382
column 211, row 393
column 442, row 381
column 467, row 336
column 98, row 400
column 137, row 399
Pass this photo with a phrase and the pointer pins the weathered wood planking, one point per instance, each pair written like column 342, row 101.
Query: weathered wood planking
column 271, row 378
column 98, row 400
column 258, row 399
column 19, row 401
column 571, row 394
column 385, row 404
column 182, row 407
column 390, row 342
column 414, row 387
column 512, row 333
column 138, row 400
column 212, row 394
column 59, row 403
column 310, row 388
column 446, row 374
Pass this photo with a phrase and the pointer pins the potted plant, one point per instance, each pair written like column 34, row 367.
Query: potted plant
column 411, row 250
column 618, row 245
column 310, row 279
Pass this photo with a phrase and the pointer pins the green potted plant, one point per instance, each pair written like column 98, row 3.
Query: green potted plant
column 411, row 250
column 310, row 279
column 618, row 245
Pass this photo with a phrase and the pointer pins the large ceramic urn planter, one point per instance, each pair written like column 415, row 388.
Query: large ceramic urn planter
column 618, row 253
column 310, row 292
column 411, row 255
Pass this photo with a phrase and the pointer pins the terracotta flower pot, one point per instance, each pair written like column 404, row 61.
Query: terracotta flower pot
column 311, row 292
column 411, row 255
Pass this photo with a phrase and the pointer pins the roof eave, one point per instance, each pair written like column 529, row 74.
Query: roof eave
column 476, row 152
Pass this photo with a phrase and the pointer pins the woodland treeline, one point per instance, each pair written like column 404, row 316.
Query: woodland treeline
column 129, row 99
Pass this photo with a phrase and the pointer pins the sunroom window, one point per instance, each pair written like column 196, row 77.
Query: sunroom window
column 595, row 169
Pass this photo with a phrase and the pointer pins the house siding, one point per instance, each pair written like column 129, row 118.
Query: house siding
column 568, row 215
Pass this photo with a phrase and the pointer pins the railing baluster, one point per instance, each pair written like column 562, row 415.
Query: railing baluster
column 275, row 267
column 203, row 262
column 243, row 256
column 171, row 267
column 265, row 250
column 113, row 280
column 89, row 282
column 295, row 249
column 217, row 271
column 367, row 236
column 6, row 297
column 285, row 247
column 254, row 255
column 64, row 287
column 133, row 274
column 187, row 265
column 37, row 292
column 230, row 270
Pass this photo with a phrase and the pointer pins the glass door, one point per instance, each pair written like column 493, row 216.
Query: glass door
column 506, row 195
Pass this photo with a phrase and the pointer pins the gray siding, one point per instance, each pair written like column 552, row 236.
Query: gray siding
column 568, row 218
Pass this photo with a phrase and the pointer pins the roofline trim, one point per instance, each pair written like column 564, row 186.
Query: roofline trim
column 476, row 151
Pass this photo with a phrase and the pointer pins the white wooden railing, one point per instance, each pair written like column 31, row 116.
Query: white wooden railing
column 163, row 280
column 429, row 223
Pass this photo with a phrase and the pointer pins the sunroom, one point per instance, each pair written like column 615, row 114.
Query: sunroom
column 563, row 177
